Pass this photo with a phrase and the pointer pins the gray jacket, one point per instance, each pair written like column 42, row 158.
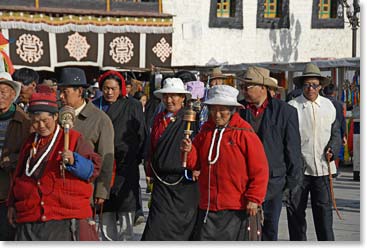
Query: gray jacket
column 97, row 130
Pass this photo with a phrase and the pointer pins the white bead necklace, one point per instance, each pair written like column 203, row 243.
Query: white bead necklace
column 218, row 145
column 29, row 173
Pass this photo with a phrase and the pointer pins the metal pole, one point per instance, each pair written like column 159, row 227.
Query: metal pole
column 354, row 41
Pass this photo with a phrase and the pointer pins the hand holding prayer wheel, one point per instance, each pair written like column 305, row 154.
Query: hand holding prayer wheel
column 190, row 116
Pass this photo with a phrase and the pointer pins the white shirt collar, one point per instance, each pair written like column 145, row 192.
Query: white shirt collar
column 305, row 101
column 78, row 110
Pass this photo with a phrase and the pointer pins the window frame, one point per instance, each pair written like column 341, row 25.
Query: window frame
column 235, row 22
column 272, row 23
column 317, row 23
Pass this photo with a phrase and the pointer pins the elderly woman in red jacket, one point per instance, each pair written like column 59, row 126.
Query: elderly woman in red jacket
column 45, row 202
column 233, row 169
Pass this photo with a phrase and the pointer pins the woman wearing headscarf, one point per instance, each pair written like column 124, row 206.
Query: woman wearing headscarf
column 175, row 195
column 51, row 190
column 233, row 169
column 128, row 123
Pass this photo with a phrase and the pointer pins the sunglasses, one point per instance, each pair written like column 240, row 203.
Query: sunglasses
column 313, row 86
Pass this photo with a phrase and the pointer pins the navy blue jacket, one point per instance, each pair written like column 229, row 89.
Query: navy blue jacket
column 279, row 133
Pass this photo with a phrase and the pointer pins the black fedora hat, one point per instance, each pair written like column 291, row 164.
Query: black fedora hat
column 71, row 76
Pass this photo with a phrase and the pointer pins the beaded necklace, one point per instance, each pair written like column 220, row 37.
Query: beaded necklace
column 33, row 151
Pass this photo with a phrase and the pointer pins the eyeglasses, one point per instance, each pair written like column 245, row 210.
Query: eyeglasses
column 313, row 86
column 247, row 86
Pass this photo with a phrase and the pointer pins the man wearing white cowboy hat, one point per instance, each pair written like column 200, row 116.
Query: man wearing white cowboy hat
column 14, row 130
column 233, row 169
column 175, row 194
column 276, row 124
column 320, row 137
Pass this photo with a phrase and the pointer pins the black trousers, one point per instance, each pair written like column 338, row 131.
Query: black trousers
column 7, row 232
column 322, row 212
column 272, row 209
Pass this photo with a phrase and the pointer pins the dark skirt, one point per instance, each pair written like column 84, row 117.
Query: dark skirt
column 53, row 230
column 173, row 212
column 226, row 225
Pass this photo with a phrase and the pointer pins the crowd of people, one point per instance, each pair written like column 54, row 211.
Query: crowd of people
column 217, row 168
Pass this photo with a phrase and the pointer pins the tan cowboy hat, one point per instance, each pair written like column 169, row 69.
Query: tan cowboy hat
column 311, row 70
column 217, row 74
column 259, row 76
column 275, row 83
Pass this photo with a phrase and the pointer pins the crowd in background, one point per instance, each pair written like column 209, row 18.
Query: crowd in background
column 217, row 168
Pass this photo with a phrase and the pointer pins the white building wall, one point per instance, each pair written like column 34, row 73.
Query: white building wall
column 194, row 43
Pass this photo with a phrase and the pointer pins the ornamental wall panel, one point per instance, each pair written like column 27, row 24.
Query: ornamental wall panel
column 121, row 50
column 158, row 49
column 77, row 47
column 29, row 48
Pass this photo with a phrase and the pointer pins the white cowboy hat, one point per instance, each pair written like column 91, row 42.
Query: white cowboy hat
column 172, row 85
column 5, row 78
column 223, row 95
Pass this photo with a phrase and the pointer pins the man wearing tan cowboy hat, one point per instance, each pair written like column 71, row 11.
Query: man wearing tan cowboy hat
column 320, row 138
column 14, row 130
column 216, row 77
column 276, row 124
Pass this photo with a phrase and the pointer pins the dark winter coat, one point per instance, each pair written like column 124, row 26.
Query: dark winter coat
column 279, row 133
column 128, row 122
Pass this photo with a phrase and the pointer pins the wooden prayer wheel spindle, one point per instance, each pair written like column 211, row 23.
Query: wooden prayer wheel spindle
column 189, row 116
column 66, row 118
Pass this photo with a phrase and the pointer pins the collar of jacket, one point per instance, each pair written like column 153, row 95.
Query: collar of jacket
column 88, row 109
column 19, row 114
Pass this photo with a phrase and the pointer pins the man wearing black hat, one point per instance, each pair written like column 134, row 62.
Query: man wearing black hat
column 320, row 139
column 93, row 123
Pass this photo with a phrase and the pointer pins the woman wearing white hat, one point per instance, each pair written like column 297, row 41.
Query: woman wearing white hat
column 233, row 169
column 175, row 197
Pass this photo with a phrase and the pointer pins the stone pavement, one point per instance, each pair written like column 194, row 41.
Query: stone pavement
column 347, row 194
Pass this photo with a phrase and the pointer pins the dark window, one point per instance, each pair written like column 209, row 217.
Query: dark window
column 272, row 14
column 226, row 14
column 325, row 14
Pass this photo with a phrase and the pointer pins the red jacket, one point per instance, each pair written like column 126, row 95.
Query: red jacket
column 241, row 172
column 50, row 197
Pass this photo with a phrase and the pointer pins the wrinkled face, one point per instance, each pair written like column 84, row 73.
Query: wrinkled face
column 44, row 123
column 26, row 92
column 7, row 95
column 311, row 88
column 71, row 96
column 111, row 90
column 220, row 114
column 143, row 100
column 253, row 93
column 173, row 101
